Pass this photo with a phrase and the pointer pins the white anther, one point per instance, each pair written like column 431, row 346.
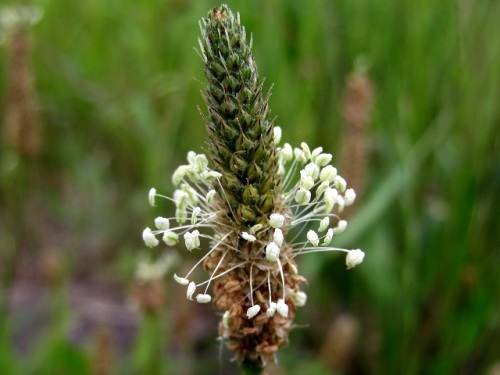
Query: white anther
column 278, row 237
column 151, row 196
column 330, row 198
column 299, row 155
column 272, row 252
column 306, row 182
column 286, row 153
column 203, row 298
column 191, row 193
column 340, row 202
column 341, row 225
column 149, row 238
column 180, row 173
column 170, row 238
column 248, row 237
column 181, row 280
column 194, row 215
column 349, row 197
column 340, row 183
column 323, row 159
column 271, row 310
column 306, row 149
column 322, row 188
column 277, row 135
column 313, row 238
column 181, row 215
column 190, row 157
column 282, row 308
column 181, row 199
column 328, row 173
column 300, row 298
column 312, row 170
column 210, row 175
column 302, row 196
column 315, row 153
column 252, row 311
column 328, row 237
column 323, row 224
column 353, row 258
column 162, row 223
column 281, row 169
column 276, row 220
column 210, row 197
column 192, row 240
column 190, row 290
column 200, row 163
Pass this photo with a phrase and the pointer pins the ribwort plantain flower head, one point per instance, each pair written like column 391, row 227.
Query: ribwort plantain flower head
column 238, row 205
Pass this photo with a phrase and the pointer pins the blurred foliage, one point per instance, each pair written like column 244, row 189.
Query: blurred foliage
column 118, row 106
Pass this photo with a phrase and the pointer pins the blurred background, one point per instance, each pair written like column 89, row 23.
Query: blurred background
column 99, row 103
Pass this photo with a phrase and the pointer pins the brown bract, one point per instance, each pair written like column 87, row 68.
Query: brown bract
column 257, row 339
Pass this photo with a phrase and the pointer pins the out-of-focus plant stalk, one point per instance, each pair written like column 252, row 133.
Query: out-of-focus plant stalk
column 357, row 105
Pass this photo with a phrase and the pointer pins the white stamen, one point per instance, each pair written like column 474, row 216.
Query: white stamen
column 313, row 238
column 342, row 224
column 306, row 149
column 190, row 290
column 203, row 298
column 302, row 196
column 322, row 188
column 286, row 153
column 300, row 298
column 180, row 173
column 323, row 159
column 300, row 156
column 248, row 237
column 181, row 280
column 272, row 252
column 353, row 258
column 306, row 182
column 151, row 196
column 328, row 237
column 278, row 237
column 210, row 197
column 252, row 311
column 200, row 163
column 181, row 199
column 192, row 240
column 323, row 224
column 328, row 173
column 312, row 170
column 210, row 175
column 162, row 223
column 340, row 183
column 315, row 153
column 271, row 310
column 194, row 215
column 170, row 238
column 276, row 220
column 277, row 135
column 349, row 197
column 282, row 308
column 149, row 238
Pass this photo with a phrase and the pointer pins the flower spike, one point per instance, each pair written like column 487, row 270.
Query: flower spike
column 251, row 205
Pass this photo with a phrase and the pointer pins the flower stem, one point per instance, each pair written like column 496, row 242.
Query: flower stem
column 251, row 368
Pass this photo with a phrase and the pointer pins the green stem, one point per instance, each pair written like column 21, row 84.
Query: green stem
column 251, row 368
